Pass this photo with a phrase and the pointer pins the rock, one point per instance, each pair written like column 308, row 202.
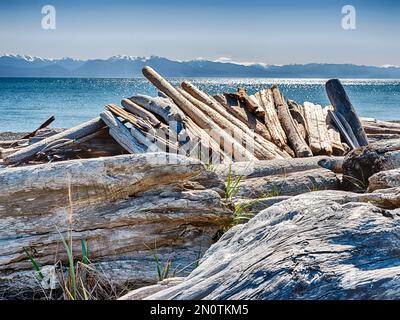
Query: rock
column 320, row 245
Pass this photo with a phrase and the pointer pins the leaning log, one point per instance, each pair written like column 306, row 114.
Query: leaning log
column 334, row 135
column 77, row 132
column 121, row 206
column 297, row 142
column 341, row 103
column 227, row 143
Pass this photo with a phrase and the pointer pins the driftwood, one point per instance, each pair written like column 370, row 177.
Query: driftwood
column 341, row 103
column 321, row 245
column 317, row 132
column 344, row 129
column 276, row 167
column 270, row 150
column 300, row 147
column 250, row 102
column 297, row 114
column 227, row 143
column 77, row 132
column 121, row 133
column 121, row 205
column 140, row 112
column 263, row 149
column 288, row 184
column 271, row 120
column 240, row 111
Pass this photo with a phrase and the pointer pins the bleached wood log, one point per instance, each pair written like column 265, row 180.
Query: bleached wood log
column 250, row 101
column 311, row 247
column 121, row 133
column 227, row 143
column 141, row 112
column 271, row 120
column 317, row 133
column 297, row 113
column 288, row 184
column 77, row 132
column 242, row 135
column 120, row 205
column 341, row 103
column 239, row 110
column 297, row 142
column 270, row 150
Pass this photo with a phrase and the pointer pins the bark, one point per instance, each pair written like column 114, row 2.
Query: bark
column 118, row 204
column 315, row 246
column 227, row 143
column 297, row 142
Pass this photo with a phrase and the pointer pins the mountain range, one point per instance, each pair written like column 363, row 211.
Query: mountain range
column 130, row 67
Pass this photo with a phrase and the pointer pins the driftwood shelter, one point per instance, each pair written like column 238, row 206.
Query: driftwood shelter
column 152, row 174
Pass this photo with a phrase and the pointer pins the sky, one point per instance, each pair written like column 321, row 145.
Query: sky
column 271, row 32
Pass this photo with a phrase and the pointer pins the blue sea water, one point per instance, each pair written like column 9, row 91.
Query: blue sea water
column 26, row 102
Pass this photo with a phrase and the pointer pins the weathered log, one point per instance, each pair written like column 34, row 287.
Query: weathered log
column 121, row 205
column 250, row 102
column 333, row 133
column 317, row 133
column 297, row 113
column 163, row 107
column 360, row 164
column 270, row 150
column 271, row 120
column 121, row 134
column 341, row 103
column 143, row 292
column 239, row 110
column 43, row 125
column 288, row 184
column 282, row 167
column 141, row 112
column 263, row 149
column 77, row 132
column 227, row 143
column 297, row 142
column 374, row 126
column 314, row 246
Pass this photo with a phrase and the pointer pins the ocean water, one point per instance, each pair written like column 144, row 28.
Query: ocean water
column 26, row 102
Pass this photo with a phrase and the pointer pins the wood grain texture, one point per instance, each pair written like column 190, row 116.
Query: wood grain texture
column 324, row 245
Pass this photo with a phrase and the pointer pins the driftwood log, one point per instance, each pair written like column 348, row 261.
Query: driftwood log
column 297, row 142
column 121, row 205
column 324, row 245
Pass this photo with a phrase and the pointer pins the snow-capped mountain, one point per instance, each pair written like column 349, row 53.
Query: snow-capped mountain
column 124, row 66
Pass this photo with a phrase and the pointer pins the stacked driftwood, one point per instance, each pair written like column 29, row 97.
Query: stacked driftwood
column 221, row 128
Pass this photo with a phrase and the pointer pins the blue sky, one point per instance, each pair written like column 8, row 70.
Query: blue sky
column 273, row 32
